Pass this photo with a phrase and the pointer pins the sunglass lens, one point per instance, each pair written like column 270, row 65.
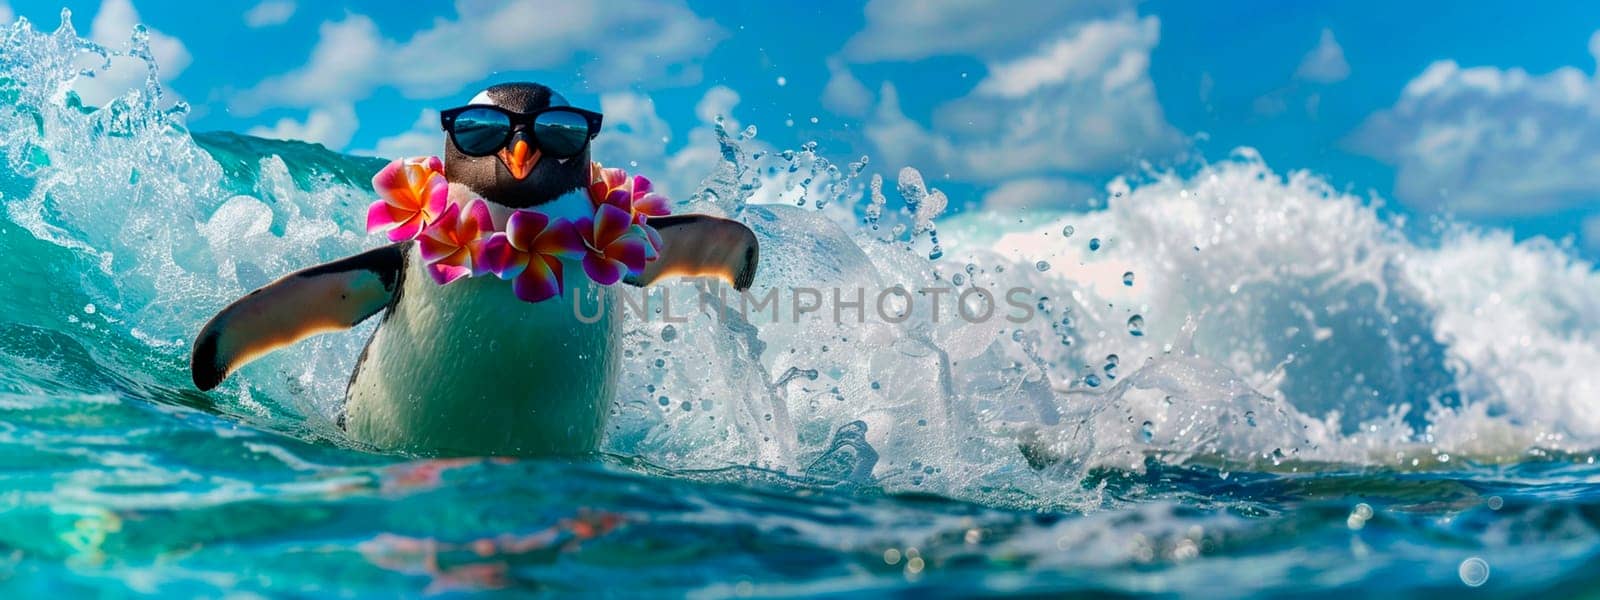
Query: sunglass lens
column 481, row 131
column 561, row 133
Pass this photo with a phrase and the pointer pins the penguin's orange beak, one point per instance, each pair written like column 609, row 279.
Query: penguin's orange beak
column 518, row 159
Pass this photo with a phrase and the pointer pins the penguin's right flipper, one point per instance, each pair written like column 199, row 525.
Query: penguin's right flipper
column 329, row 297
column 703, row 246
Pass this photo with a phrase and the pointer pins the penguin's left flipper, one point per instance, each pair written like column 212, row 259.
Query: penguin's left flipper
column 703, row 246
column 329, row 297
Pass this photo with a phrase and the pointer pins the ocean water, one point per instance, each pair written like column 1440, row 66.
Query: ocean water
column 1239, row 381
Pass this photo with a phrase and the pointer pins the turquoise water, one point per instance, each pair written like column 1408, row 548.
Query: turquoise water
column 1320, row 400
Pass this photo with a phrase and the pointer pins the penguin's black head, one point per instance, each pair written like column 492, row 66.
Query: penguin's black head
column 523, row 170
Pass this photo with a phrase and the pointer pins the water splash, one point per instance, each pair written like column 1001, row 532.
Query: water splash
column 925, row 205
column 160, row 231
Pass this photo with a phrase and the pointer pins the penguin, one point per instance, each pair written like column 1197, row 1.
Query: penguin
column 467, row 368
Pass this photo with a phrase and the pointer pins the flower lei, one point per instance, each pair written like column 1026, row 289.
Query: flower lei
column 456, row 241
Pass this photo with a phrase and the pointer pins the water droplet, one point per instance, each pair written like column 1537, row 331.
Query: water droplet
column 1250, row 418
column 1474, row 571
column 1147, row 431
column 669, row 333
column 958, row 279
column 1068, row 231
column 1359, row 516
column 1127, row 279
column 1112, row 361
column 1042, row 266
column 664, row 400
column 1094, row 244
column 1091, row 380
column 1495, row 503
column 915, row 565
column 782, row 81
column 971, row 268
column 1136, row 326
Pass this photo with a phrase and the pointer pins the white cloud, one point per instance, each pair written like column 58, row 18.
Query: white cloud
column 1325, row 63
column 633, row 130
column 1040, row 193
column 1082, row 101
column 1484, row 141
column 717, row 102
column 424, row 138
column 1273, row 103
column 683, row 170
column 844, row 94
column 619, row 42
column 269, row 12
column 331, row 126
column 1116, row 52
column 341, row 67
column 902, row 141
column 915, row 29
column 113, row 28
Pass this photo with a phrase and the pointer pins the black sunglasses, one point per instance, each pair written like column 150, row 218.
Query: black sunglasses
column 482, row 130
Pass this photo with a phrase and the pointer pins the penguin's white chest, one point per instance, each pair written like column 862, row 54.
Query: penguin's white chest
column 467, row 368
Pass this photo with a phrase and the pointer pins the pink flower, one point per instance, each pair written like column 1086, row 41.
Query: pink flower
column 615, row 245
column 529, row 253
column 647, row 203
column 453, row 246
column 634, row 196
column 602, row 180
column 413, row 193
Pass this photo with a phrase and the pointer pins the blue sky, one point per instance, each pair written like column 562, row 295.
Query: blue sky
column 1482, row 111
